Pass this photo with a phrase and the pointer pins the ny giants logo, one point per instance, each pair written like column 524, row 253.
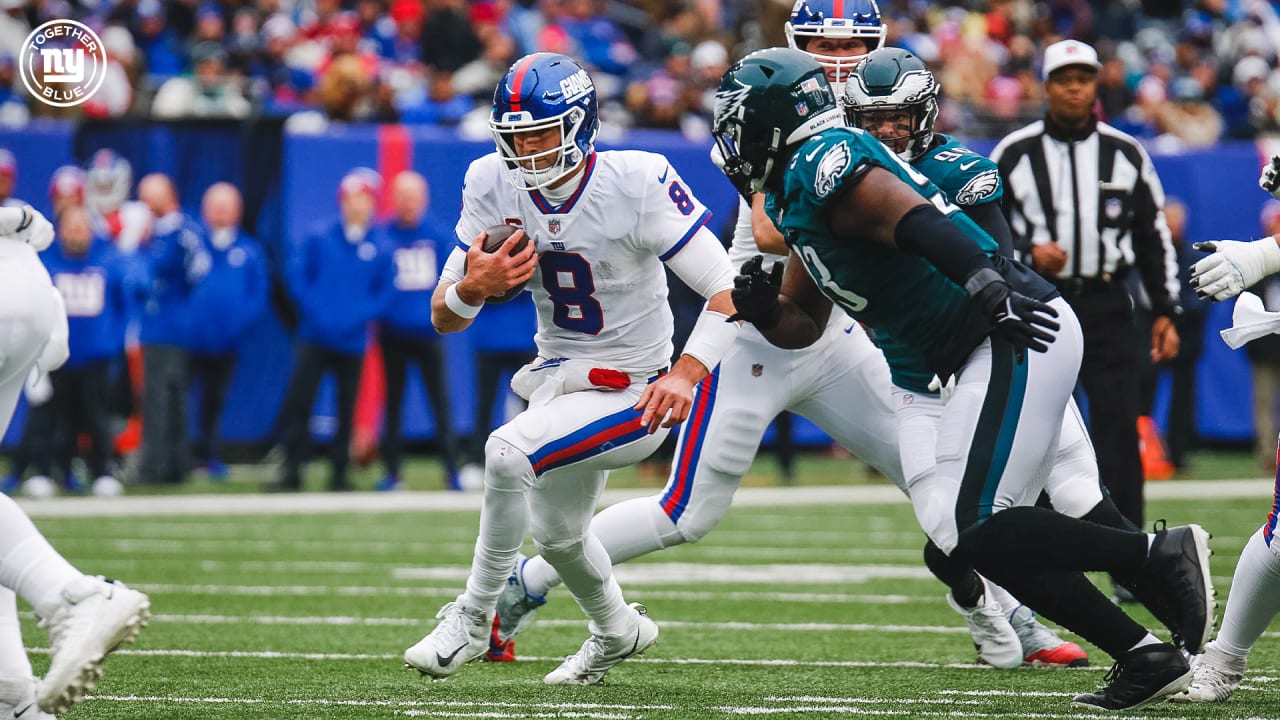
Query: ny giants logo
column 576, row 86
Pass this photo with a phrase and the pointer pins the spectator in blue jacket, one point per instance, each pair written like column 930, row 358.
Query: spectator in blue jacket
column 418, row 247
column 341, row 280
column 176, row 260
column 92, row 280
column 225, row 304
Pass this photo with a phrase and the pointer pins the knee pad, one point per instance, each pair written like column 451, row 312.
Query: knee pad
column 505, row 466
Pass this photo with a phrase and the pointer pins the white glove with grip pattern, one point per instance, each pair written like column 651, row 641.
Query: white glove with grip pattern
column 26, row 224
column 1270, row 178
column 1233, row 266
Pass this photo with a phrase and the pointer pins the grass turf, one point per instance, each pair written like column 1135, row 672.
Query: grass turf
column 297, row 616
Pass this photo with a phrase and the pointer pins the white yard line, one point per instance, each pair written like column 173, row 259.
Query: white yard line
column 436, row 501
column 397, row 657
column 700, row 573
column 381, row 590
column 779, row 705
column 354, row 621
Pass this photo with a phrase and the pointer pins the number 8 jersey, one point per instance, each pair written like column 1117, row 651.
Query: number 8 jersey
column 600, row 288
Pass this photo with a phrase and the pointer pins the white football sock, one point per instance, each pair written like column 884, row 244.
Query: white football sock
column 504, row 520
column 1253, row 601
column 1148, row 639
column 587, row 573
column 28, row 563
column 14, row 664
column 1008, row 603
column 627, row 530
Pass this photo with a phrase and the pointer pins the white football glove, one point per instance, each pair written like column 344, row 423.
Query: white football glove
column 30, row 227
column 57, row 348
column 1270, row 178
column 38, row 388
column 1233, row 266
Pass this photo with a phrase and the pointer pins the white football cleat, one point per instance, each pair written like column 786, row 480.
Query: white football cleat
column 1215, row 675
column 601, row 652
column 993, row 637
column 40, row 487
column 516, row 606
column 461, row 636
column 18, row 700
column 96, row 617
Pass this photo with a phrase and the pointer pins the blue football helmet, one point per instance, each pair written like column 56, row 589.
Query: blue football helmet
column 837, row 20
column 108, row 180
column 543, row 91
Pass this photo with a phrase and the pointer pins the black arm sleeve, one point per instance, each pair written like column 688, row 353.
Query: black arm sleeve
column 928, row 233
column 990, row 218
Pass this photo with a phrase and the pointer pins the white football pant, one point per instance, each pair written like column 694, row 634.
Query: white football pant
column 544, row 472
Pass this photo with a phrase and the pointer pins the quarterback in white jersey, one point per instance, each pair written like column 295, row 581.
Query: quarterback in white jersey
column 1254, row 601
column 602, row 225
column 86, row 616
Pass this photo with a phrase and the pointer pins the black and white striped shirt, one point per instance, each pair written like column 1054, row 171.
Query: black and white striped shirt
column 1096, row 195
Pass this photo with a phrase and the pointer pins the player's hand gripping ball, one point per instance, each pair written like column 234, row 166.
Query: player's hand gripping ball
column 494, row 238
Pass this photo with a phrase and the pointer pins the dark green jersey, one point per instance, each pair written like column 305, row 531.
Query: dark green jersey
column 924, row 322
column 964, row 176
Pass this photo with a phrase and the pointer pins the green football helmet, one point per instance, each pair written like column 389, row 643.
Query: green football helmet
column 768, row 103
column 891, row 88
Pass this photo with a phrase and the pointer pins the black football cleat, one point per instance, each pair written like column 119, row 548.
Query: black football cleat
column 1141, row 677
column 1177, row 571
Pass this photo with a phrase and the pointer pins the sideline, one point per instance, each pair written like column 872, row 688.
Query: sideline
column 445, row 501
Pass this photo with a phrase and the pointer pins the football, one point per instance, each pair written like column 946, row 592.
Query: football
column 494, row 237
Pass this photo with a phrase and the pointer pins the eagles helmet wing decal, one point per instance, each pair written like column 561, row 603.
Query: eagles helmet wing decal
column 980, row 187
column 831, row 168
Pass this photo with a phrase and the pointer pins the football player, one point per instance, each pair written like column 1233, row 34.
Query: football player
column 1253, row 602
column 86, row 616
column 603, row 224
column 892, row 95
column 869, row 232
column 840, row 383
column 108, row 182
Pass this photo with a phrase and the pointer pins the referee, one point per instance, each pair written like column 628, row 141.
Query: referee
column 1086, row 208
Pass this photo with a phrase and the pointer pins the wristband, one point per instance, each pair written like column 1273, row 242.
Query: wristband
column 710, row 339
column 458, row 305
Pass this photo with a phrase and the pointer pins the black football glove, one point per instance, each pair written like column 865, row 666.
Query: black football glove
column 1023, row 321
column 755, row 294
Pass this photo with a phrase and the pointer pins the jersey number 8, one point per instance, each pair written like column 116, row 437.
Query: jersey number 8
column 567, row 279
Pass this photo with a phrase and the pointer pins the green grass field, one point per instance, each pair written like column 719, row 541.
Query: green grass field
column 819, row 611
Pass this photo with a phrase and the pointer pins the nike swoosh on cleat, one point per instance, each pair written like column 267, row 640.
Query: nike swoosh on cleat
column 662, row 179
column 444, row 660
column 23, row 711
column 966, row 166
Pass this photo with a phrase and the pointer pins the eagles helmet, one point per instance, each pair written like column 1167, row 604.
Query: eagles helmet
column 835, row 19
column 892, row 86
column 768, row 103
column 108, row 179
column 543, row 91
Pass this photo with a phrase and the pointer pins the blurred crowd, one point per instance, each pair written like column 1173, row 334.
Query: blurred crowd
column 161, row 303
column 1186, row 72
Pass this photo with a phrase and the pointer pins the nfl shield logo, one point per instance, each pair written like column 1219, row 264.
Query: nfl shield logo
column 757, row 369
column 1113, row 208
column 802, row 108
column 554, row 226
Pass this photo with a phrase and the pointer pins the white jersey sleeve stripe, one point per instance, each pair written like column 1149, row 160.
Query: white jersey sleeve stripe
column 697, row 225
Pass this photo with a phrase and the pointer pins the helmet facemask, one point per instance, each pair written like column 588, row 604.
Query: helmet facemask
column 544, row 167
column 808, row 23
column 905, row 98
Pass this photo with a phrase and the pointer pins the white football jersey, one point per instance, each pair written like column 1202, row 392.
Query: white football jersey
column 600, row 288
column 744, row 242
